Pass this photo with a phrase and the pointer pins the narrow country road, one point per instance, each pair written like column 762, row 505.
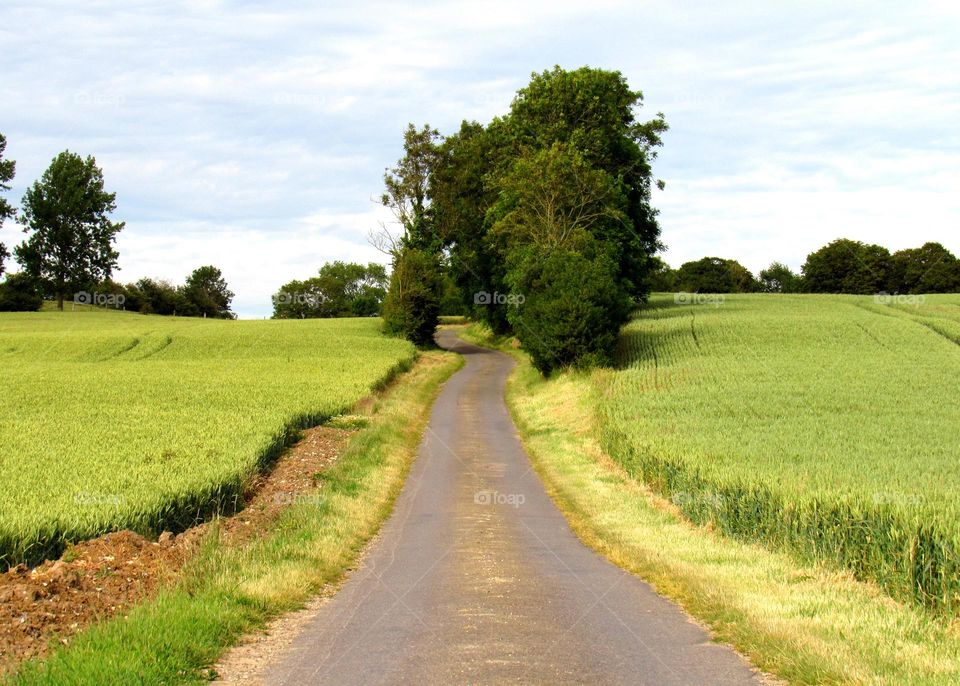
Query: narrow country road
column 477, row 579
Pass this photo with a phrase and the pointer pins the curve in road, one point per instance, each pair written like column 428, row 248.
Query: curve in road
column 476, row 577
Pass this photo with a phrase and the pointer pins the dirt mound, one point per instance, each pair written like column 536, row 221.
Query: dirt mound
column 96, row 579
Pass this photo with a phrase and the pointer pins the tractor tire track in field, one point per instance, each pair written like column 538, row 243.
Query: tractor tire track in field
column 476, row 577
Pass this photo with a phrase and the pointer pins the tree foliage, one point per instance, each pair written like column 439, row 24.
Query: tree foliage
column 847, row 266
column 930, row 268
column 567, row 171
column 412, row 305
column 66, row 213
column 573, row 305
column 8, row 169
column 714, row 275
column 661, row 278
column 207, row 293
column 552, row 198
column 407, row 187
column 340, row 289
column 19, row 293
column 779, row 278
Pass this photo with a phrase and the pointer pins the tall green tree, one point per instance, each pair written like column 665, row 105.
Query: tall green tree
column 66, row 212
column 594, row 112
column 930, row 268
column 8, row 168
column 207, row 291
column 462, row 191
column 407, row 188
column 412, row 305
column 847, row 266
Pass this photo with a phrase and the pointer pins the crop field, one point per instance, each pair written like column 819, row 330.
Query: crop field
column 111, row 420
column 827, row 425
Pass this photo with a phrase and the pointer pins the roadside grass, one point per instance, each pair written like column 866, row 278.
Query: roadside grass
column 228, row 591
column 805, row 624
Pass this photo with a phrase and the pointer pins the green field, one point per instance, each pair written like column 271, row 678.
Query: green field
column 111, row 420
column 828, row 425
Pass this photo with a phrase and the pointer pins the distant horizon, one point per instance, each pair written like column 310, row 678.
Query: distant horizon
column 255, row 140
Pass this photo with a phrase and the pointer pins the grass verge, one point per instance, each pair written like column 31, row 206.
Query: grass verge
column 804, row 624
column 226, row 592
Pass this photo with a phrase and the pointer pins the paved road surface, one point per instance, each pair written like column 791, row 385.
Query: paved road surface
column 477, row 579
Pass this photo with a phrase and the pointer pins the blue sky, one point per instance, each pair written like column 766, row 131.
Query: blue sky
column 254, row 136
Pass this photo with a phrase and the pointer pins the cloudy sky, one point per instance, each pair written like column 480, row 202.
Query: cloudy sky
column 254, row 136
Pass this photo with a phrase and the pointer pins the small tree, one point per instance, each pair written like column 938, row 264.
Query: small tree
column 8, row 169
column 567, row 306
column 412, row 306
column 206, row 290
column 779, row 278
column 71, row 237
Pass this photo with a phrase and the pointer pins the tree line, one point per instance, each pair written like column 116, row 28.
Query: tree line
column 842, row 266
column 541, row 218
column 69, row 249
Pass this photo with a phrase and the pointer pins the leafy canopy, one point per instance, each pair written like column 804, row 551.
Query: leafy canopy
column 66, row 213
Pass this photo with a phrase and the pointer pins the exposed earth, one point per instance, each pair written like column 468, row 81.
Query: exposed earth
column 99, row 578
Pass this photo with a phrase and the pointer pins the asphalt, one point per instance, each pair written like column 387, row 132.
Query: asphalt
column 476, row 577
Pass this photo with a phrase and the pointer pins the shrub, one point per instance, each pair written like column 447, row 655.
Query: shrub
column 412, row 306
column 19, row 293
column 567, row 307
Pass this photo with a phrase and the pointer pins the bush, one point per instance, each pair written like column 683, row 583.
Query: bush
column 412, row 306
column 566, row 307
column 714, row 275
column 19, row 293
